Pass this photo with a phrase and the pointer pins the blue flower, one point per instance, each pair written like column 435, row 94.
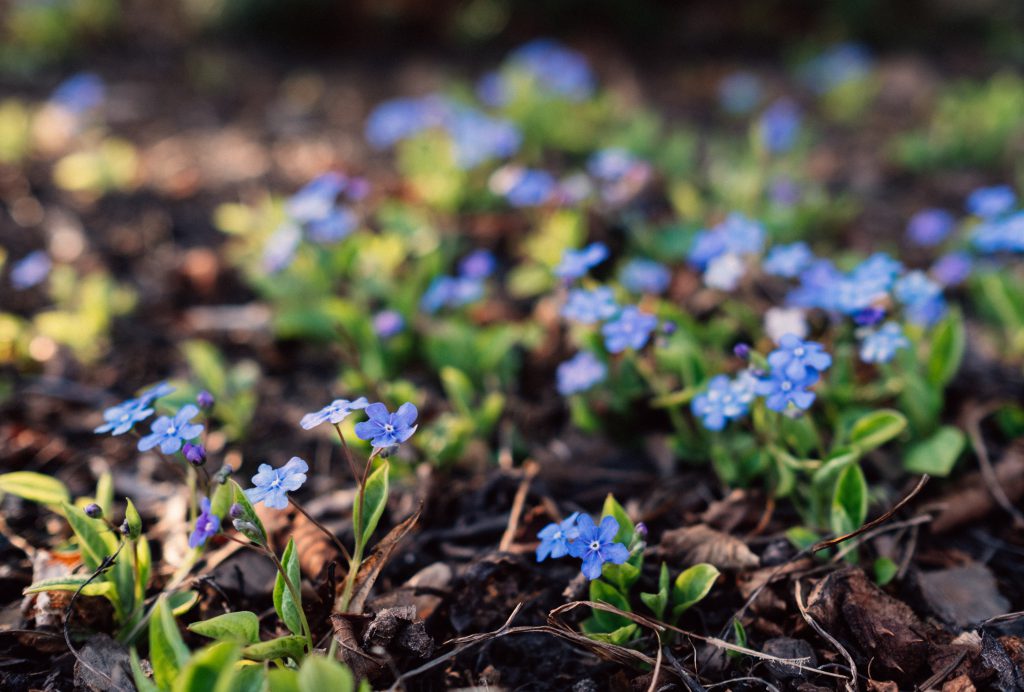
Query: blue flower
column 590, row 306
column 926, row 312
column 631, row 329
column 333, row 413
column 725, row 271
column 645, row 276
column 1000, row 235
column 788, row 260
column 156, row 391
column 555, row 538
column 337, row 224
column 388, row 323
column 123, row 417
column 739, row 93
column 171, row 433
column 398, row 119
column 280, row 248
column 879, row 270
column 799, row 360
column 952, row 269
column 838, row 65
column 915, row 288
column 881, row 345
column 736, row 235
column 450, row 291
column 724, row 400
column 478, row 264
column 478, row 137
column 595, row 545
column 930, row 226
column 869, row 316
column 273, row 485
column 576, row 263
column 78, row 94
column 316, row 199
column 580, row 373
column 610, row 164
column 530, row 188
column 30, row 270
column 779, row 125
column 550, row 67
column 385, row 429
column 990, row 202
column 207, row 524
column 780, row 391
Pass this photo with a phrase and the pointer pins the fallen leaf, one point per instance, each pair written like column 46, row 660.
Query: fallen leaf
column 694, row 544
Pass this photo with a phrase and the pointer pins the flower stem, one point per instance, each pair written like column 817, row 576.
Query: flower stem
column 327, row 532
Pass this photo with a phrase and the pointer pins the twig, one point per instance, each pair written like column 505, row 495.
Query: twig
column 108, row 561
column 867, row 536
column 934, row 680
column 822, row 545
column 988, row 473
column 851, row 685
column 530, row 469
column 657, row 666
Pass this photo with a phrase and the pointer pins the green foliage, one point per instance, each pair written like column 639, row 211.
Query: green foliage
column 370, row 505
column 875, row 429
column 285, row 603
column 691, row 586
column 36, row 487
column 936, row 454
column 242, row 626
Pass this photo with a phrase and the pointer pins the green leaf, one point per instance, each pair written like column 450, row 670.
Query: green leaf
column 144, row 564
column 657, row 602
column 167, row 652
column 97, row 587
column 801, row 537
column 180, row 602
column 253, row 677
column 877, row 428
column 35, row 487
column 458, row 389
column 692, row 586
column 242, row 626
column 131, row 515
column 370, row 505
column 211, row 669
column 143, row 683
column 283, row 680
column 291, row 646
column 619, row 637
column 850, row 501
column 885, row 570
column 95, row 539
column 220, row 503
column 284, row 603
column 208, row 365
column 249, row 512
column 606, row 593
column 937, row 454
column 739, row 635
column 320, row 673
column 947, row 349
column 613, row 509
column 105, row 492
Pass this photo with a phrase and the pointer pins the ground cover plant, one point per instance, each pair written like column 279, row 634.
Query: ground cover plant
column 511, row 374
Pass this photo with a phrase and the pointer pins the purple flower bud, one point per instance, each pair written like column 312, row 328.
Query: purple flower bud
column 668, row 328
column 126, row 529
column 93, row 511
column 641, row 529
column 204, row 399
column 194, row 453
column 237, row 511
column 741, row 350
column 869, row 316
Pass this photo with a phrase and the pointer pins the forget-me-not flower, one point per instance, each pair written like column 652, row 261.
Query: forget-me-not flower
column 580, row 373
column 576, row 263
column 990, row 202
column 596, row 545
column 333, row 413
column 316, row 198
column 779, row 125
column 780, row 391
column 207, row 524
column 725, row 271
column 788, row 260
column 31, row 270
column 385, row 429
column 271, row 486
column 930, row 226
column 723, row 400
column 590, row 306
column 170, row 433
column 881, row 345
column 388, row 323
column 121, row 418
column 952, row 269
column 556, row 537
column 478, row 264
column 645, row 276
column 799, row 360
column 631, row 329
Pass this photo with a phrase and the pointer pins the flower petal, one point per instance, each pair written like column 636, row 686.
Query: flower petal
column 378, row 412
column 406, row 415
column 368, row 429
column 187, row 413
column 616, row 553
column 609, row 527
column 592, row 566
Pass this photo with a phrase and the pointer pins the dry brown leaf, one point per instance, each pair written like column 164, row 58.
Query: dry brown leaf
column 371, row 567
column 692, row 544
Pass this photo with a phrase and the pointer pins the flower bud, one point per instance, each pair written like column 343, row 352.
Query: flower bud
column 640, row 530
column 741, row 350
column 248, row 529
column 668, row 328
column 93, row 511
column 205, row 399
column 221, row 477
column 126, row 529
column 196, row 454
column 237, row 511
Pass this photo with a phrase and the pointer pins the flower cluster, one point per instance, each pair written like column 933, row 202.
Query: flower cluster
column 119, row 419
column 542, row 65
column 383, row 429
column 316, row 212
column 476, row 137
column 720, row 251
column 462, row 289
column 796, row 365
column 578, row 536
